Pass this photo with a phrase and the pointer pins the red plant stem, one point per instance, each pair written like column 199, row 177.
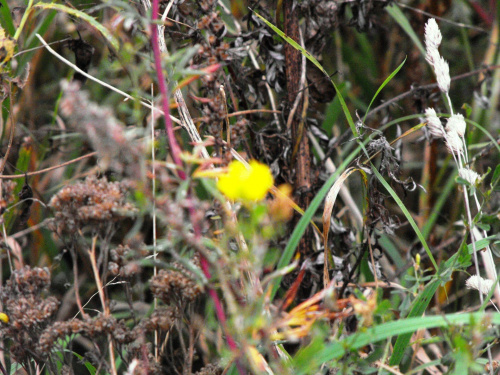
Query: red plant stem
column 175, row 152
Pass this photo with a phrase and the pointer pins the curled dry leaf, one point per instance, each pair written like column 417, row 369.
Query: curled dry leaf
column 327, row 213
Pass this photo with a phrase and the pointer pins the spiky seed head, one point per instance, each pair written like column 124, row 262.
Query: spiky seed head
column 456, row 123
column 433, row 123
column 433, row 35
column 469, row 175
column 478, row 283
column 442, row 70
column 454, row 142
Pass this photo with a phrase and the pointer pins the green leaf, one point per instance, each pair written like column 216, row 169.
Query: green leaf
column 32, row 42
column 496, row 177
column 386, row 81
column 418, row 308
column 84, row 17
column 481, row 244
column 293, row 43
column 401, row 19
column 90, row 367
column 385, row 331
column 6, row 18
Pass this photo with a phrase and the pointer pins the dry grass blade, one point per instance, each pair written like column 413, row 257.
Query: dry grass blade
column 327, row 213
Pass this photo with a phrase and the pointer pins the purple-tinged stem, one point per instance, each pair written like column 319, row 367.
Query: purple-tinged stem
column 175, row 152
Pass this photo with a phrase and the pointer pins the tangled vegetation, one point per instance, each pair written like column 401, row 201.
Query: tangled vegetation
column 249, row 187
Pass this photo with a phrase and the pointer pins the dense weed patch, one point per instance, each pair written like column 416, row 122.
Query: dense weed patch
column 214, row 187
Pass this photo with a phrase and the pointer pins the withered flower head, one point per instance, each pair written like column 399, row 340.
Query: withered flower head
column 91, row 202
column 28, row 312
column 176, row 286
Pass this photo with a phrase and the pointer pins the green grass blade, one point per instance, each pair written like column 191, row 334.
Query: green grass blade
column 386, row 81
column 32, row 42
column 418, row 308
column 392, row 251
column 311, row 58
column 301, row 226
column 396, row 13
column 84, row 17
column 385, row 331
column 407, row 214
column 486, row 132
column 293, row 43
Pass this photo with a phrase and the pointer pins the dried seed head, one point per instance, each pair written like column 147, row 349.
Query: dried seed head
column 93, row 202
column 434, row 123
column 162, row 318
column 432, row 56
column 469, row 175
column 442, row 70
column 433, row 35
column 210, row 369
column 176, row 286
column 456, row 123
column 454, row 142
column 478, row 283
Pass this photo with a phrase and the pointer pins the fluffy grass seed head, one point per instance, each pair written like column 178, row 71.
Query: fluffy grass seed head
column 454, row 142
column 247, row 185
column 432, row 56
column 469, row 175
column 433, row 35
column 478, row 283
column 456, row 123
column 442, row 70
column 434, row 123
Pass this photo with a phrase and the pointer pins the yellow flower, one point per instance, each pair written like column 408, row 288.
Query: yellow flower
column 4, row 318
column 244, row 184
column 7, row 45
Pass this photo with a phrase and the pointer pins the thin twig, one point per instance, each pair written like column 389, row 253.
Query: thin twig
column 105, row 306
column 102, row 83
column 426, row 87
column 458, row 24
column 39, row 47
column 41, row 171
column 153, row 183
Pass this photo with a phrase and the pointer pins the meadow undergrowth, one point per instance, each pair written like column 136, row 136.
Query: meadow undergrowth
column 230, row 187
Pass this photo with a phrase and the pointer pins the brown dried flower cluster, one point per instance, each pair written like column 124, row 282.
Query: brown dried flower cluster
column 105, row 326
column 216, row 50
column 210, row 369
column 91, row 202
column 239, row 131
column 122, row 262
column 162, row 318
column 91, row 328
column 176, row 286
column 29, row 313
column 7, row 196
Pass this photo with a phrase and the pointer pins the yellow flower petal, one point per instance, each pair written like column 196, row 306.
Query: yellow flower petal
column 244, row 184
column 4, row 318
column 7, row 45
